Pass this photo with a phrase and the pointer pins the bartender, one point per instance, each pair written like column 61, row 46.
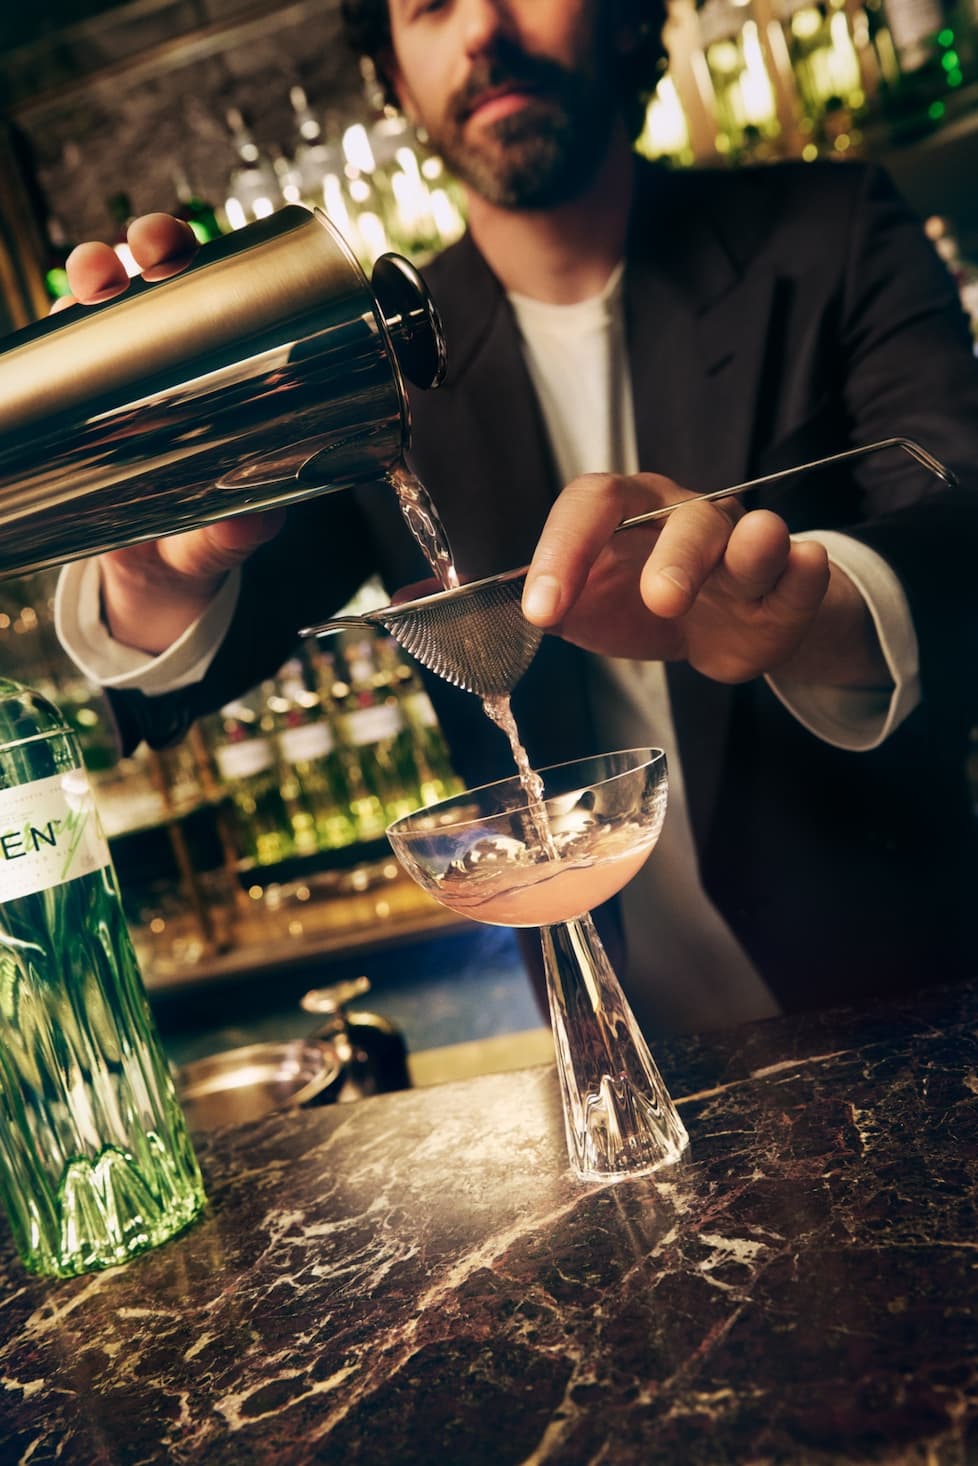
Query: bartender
column 621, row 337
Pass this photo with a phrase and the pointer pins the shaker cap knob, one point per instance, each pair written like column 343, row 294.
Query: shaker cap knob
column 412, row 320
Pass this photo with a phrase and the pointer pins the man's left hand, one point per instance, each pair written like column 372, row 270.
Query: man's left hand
column 727, row 591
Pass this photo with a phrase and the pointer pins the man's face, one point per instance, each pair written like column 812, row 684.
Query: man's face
column 518, row 96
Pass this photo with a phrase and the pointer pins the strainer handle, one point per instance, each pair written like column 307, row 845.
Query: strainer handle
column 336, row 623
column 932, row 464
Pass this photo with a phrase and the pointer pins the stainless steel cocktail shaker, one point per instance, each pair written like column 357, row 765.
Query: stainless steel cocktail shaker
column 268, row 371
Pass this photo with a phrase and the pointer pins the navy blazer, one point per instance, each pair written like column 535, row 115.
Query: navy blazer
column 774, row 315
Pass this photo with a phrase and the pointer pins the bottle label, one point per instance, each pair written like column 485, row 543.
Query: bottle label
column 371, row 725
column 308, row 741
column 50, row 833
column 244, row 760
column 419, row 708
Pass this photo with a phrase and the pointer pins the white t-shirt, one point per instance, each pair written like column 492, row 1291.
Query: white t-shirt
column 686, row 970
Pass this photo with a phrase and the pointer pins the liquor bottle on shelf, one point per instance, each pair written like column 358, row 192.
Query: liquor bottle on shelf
column 426, row 747
column 390, row 742
column 365, row 804
column 826, row 68
column 367, row 212
column 248, row 768
column 313, row 781
column 746, row 107
column 665, row 133
column 197, row 212
column 314, row 157
column 295, row 800
column 687, row 71
column 253, row 190
column 404, row 189
column 924, row 57
column 366, row 730
column 57, row 248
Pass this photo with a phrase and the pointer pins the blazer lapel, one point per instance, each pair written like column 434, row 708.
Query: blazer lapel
column 695, row 407
column 480, row 439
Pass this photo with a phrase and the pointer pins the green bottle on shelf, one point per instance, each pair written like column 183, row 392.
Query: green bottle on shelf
column 314, row 786
column 374, row 727
column 427, row 752
column 195, row 211
column 96, row 1163
column 248, row 768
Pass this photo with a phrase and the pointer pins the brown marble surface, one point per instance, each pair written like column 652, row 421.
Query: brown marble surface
column 418, row 1279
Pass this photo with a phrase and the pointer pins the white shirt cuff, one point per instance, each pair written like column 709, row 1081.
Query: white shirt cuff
column 854, row 718
column 102, row 659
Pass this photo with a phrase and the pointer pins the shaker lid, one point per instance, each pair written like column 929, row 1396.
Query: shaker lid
column 412, row 320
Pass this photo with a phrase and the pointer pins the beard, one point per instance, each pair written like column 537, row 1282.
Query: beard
column 550, row 150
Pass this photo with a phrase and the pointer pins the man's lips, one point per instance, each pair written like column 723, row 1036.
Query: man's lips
column 500, row 102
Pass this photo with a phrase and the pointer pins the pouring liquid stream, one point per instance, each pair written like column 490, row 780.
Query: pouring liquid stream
column 424, row 522
column 499, row 710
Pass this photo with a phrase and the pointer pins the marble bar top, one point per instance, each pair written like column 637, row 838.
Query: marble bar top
column 417, row 1278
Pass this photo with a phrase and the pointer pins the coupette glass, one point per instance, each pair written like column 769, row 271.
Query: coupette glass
column 494, row 855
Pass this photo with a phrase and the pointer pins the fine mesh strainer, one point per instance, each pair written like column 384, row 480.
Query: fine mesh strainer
column 477, row 638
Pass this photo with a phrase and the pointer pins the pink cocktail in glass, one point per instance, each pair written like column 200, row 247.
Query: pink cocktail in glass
column 500, row 856
column 541, row 894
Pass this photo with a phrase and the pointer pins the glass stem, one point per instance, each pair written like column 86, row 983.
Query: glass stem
column 618, row 1116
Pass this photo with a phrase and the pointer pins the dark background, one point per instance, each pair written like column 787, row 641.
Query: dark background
column 116, row 98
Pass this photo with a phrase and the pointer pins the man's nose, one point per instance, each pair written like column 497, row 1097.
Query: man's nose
column 484, row 21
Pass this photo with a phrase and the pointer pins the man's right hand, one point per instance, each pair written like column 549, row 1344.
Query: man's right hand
column 151, row 593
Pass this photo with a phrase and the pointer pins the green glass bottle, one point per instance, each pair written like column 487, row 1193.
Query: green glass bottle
column 196, row 212
column 427, row 751
column 96, row 1163
column 248, row 768
column 927, row 47
column 374, row 726
column 366, row 807
column 313, row 780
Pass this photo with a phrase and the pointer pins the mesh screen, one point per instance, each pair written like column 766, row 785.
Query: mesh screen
column 480, row 642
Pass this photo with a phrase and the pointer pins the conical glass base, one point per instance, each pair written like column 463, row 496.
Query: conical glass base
column 618, row 1116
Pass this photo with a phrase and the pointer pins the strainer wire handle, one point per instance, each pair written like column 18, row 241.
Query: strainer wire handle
column 908, row 445
column 928, row 461
column 337, row 623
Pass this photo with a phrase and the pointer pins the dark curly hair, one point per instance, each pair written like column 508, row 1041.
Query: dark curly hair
column 366, row 24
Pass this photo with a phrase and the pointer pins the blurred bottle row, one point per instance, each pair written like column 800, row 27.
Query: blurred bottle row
column 742, row 82
column 329, row 752
column 342, row 740
column 791, row 78
column 322, row 756
column 266, row 821
column 380, row 186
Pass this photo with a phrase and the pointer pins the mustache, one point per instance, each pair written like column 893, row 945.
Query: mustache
column 506, row 65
